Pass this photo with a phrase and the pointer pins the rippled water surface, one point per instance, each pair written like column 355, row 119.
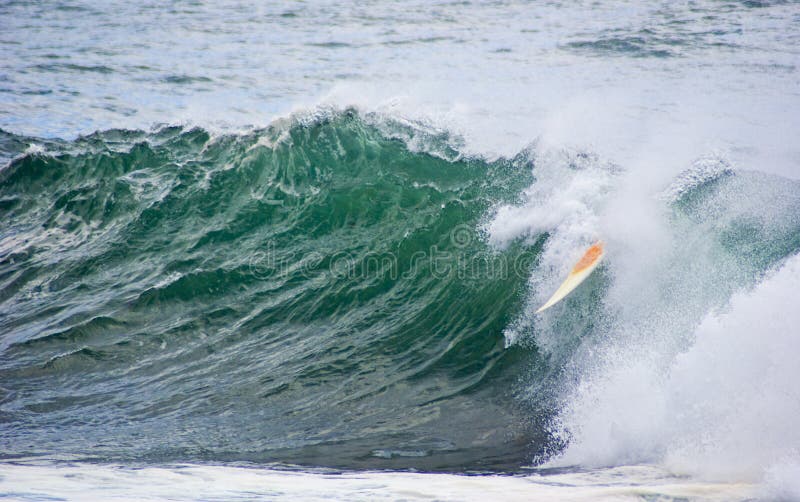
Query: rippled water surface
column 317, row 233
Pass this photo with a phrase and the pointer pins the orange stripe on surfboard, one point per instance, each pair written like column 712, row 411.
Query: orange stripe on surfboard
column 594, row 253
column 588, row 262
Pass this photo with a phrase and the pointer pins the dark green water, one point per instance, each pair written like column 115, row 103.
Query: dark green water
column 311, row 293
column 318, row 293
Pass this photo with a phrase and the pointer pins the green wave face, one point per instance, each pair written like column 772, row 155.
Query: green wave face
column 319, row 293
column 312, row 293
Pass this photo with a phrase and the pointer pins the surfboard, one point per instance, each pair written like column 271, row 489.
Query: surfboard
column 591, row 258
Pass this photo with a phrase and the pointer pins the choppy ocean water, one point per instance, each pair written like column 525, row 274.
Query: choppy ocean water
column 297, row 246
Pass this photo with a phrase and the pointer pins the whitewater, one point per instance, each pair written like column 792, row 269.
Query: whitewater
column 295, row 251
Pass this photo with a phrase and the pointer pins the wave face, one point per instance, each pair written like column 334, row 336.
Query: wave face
column 349, row 290
column 313, row 293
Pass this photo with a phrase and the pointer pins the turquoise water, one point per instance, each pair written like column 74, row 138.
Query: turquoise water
column 313, row 293
column 295, row 293
column 316, row 235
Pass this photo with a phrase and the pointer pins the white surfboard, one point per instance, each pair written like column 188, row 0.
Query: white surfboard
column 588, row 262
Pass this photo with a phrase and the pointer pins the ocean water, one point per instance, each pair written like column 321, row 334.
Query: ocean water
column 294, row 250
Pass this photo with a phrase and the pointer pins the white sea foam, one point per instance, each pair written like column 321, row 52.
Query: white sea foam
column 690, row 362
column 723, row 409
column 208, row 482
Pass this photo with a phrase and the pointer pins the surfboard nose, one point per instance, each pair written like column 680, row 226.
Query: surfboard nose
column 582, row 269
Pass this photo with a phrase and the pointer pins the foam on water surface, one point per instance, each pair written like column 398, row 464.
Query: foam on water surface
column 190, row 482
